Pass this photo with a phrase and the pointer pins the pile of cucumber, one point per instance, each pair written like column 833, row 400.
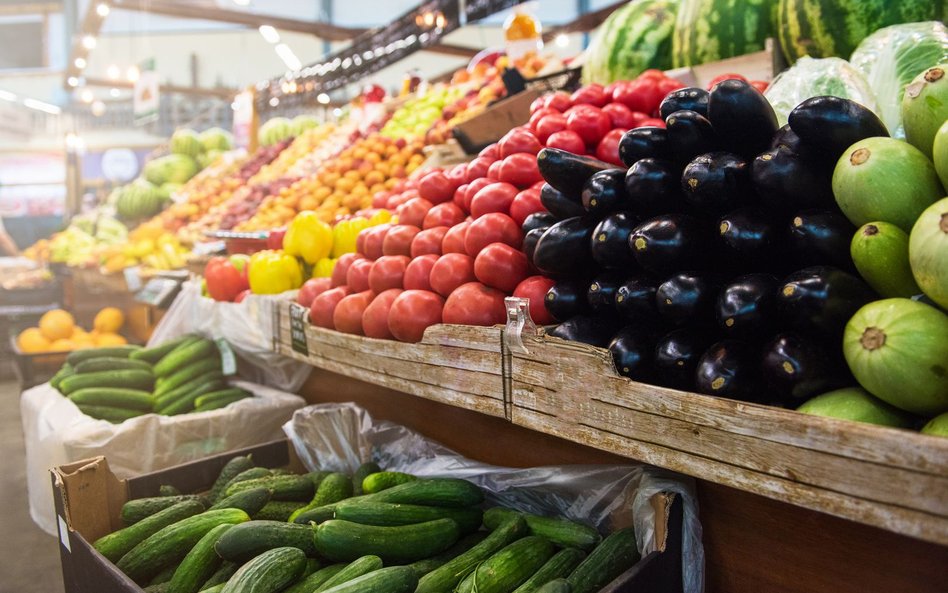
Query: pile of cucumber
column 121, row 382
column 264, row 530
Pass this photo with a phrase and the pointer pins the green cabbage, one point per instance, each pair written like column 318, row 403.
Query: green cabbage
column 811, row 77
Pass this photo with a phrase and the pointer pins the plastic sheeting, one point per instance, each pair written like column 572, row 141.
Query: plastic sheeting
column 340, row 437
column 811, row 77
column 56, row 432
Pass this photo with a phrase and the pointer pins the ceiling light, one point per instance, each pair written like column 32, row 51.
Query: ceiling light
column 42, row 106
column 7, row 96
column 74, row 143
column 80, row 63
column 289, row 58
column 72, row 81
column 88, row 42
column 113, row 72
column 132, row 73
column 561, row 40
column 98, row 108
column 102, row 10
column 274, row 102
column 86, row 96
column 323, row 98
column 114, row 93
column 337, row 112
column 269, row 34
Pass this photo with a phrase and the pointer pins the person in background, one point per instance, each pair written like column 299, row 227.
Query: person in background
column 7, row 246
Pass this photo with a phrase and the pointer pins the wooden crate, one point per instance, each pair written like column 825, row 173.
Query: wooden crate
column 888, row 478
column 453, row 364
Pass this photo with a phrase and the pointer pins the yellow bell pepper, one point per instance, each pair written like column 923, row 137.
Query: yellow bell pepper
column 324, row 268
column 380, row 217
column 344, row 235
column 273, row 272
column 308, row 237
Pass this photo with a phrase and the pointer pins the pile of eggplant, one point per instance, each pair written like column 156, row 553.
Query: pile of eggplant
column 718, row 262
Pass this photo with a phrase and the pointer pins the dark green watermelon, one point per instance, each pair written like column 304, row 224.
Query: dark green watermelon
column 712, row 30
column 634, row 38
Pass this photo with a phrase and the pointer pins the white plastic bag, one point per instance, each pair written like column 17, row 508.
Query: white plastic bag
column 247, row 327
column 56, row 432
column 811, row 77
column 341, row 436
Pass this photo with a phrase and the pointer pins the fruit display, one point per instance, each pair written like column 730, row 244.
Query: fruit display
column 418, row 114
column 275, row 130
column 711, row 30
column 81, row 243
column 138, row 200
column 57, row 332
column 300, row 146
column 225, row 278
column 149, row 246
column 635, row 38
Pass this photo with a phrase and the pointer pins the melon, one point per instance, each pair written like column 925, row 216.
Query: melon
column 186, row 142
column 925, row 107
column 216, row 139
column 139, row 199
column 633, row 39
column 853, row 403
column 712, row 30
column 937, row 426
column 172, row 168
column 274, row 130
column 880, row 252
column 940, row 153
column 928, row 252
column 301, row 123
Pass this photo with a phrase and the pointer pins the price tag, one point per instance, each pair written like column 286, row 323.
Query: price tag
column 158, row 292
column 228, row 359
column 209, row 248
column 133, row 278
column 299, row 319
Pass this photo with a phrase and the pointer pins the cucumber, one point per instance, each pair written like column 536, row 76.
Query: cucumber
column 134, row 379
column 556, row 586
column 509, row 568
column 270, row 572
column 249, row 539
column 392, row 514
column 312, row 565
column 154, row 354
column 113, row 397
column 277, row 510
column 230, row 470
column 65, row 371
column 343, row 540
column 332, row 488
column 615, row 555
column 186, row 403
column 199, row 564
column 249, row 501
column 188, row 373
column 168, row 490
column 560, row 565
column 118, row 543
column 219, row 403
column 312, row 582
column 110, row 414
column 215, row 588
column 247, row 474
column 77, row 356
column 184, row 355
column 447, row 577
column 394, row 579
column 353, row 570
column 562, row 532
column 223, row 394
column 222, row 575
column 163, row 576
column 294, row 488
column 423, row 567
column 379, row 481
column 159, row 588
column 94, row 365
column 367, row 468
column 136, row 510
column 170, row 397
column 170, row 544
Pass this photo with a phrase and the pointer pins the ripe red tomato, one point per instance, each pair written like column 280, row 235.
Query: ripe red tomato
column 347, row 316
column 459, row 194
column 591, row 124
column 450, row 271
column 667, row 85
column 520, row 169
column 311, row 289
column 608, row 148
column 447, row 214
column 398, row 199
column 387, row 272
column 760, row 85
column 567, row 140
column 453, row 241
column 723, row 77
column 418, row 272
column 642, row 94
column 477, row 168
column 519, row 140
column 374, row 240
column 357, row 276
column 560, row 100
column 380, row 198
column 428, row 241
column 435, row 187
column 621, row 116
column 412, row 313
column 491, row 151
column 413, row 211
column 535, row 289
column 652, row 73
column 457, row 175
column 495, row 197
column 472, row 188
column 501, row 266
column 537, row 104
column 320, row 312
column 491, row 228
column 475, row 304
column 638, row 117
column 342, row 267
column 398, row 239
column 524, row 204
column 375, row 316
column 593, row 94
column 536, row 116
column 652, row 122
column 549, row 125
column 493, row 172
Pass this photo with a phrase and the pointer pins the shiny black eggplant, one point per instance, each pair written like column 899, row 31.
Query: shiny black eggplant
column 539, row 220
column 654, row 187
column 670, row 243
column 688, row 298
column 743, row 119
column 632, row 350
column 567, row 299
column 530, row 241
column 746, row 307
column 788, row 139
column 830, row 125
column 610, row 241
column 795, row 367
column 691, row 99
column 566, row 171
column 594, row 330
column 821, row 299
column 560, row 205
column 716, row 183
column 786, row 182
column 821, row 237
column 563, row 250
column 643, row 143
column 677, row 354
column 690, row 134
column 635, row 299
column 601, row 294
column 729, row 369
column 604, row 192
column 750, row 239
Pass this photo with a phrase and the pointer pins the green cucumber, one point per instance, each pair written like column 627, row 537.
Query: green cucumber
column 446, row 578
column 379, row 481
column 562, row 532
column 423, row 567
column 556, row 586
column 199, row 564
column 248, row 474
column 110, row 413
column 163, row 576
column 170, row 544
column 154, row 354
column 118, row 543
column 277, row 510
column 332, row 488
column 312, row 582
column 615, row 555
column 353, row 570
column 230, row 470
column 509, row 568
column 94, row 365
column 159, row 588
column 184, row 355
column 113, row 397
column 270, row 572
column 77, row 356
column 219, row 403
column 133, row 379
column 343, row 540
column 312, row 565
column 65, row 371
column 188, row 373
column 170, row 397
column 223, row 394
column 168, row 490
column 394, row 579
column 294, row 488
column 391, row 514
column 222, row 575
column 215, row 588
column 559, row 566
column 249, row 501
column 249, row 539
column 367, row 468
column 186, row 404
column 134, row 511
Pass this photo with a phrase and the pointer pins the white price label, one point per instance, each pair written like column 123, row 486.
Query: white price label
column 133, row 278
column 228, row 358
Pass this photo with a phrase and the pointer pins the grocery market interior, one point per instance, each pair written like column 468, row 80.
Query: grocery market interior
column 475, row 296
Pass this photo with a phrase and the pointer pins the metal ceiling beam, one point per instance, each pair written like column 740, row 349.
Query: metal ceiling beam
column 584, row 23
column 453, row 50
column 216, row 93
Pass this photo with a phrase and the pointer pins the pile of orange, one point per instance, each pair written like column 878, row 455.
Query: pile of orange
column 57, row 332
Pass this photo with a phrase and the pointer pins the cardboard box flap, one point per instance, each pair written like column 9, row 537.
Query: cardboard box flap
column 91, row 486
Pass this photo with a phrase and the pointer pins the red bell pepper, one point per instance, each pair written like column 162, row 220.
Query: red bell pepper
column 227, row 277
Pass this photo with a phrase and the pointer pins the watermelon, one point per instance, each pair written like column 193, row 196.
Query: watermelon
column 215, row 139
column 172, row 168
column 634, row 38
column 186, row 142
column 304, row 122
column 712, row 30
column 139, row 199
column 275, row 130
column 824, row 28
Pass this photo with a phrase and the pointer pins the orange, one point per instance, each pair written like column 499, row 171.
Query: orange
column 56, row 325
column 109, row 339
column 109, row 319
column 62, row 345
column 32, row 340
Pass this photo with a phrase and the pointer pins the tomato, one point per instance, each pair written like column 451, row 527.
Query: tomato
column 475, row 304
column 652, row 73
column 357, row 276
column 450, row 271
column 374, row 240
column 567, row 140
column 495, row 197
column 398, row 199
column 519, row 140
column 380, row 198
column 447, row 214
column 652, row 122
column 347, row 316
column 412, row 313
column 537, row 116
column 668, row 85
column 593, row 94
column 638, row 117
column 435, row 187
column 492, row 152
column 428, row 241
column 535, row 289
column 321, row 311
column 520, row 169
column 760, row 85
column 537, row 104
column 311, row 289
column 457, row 175
column 360, row 240
column 375, row 316
column 621, row 116
column 642, row 94
column 398, row 239
column 723, row 77
column 418, row 272
column 453, row 241
column 608, row 148
column 524, row 204
column 477, row 168
column 493, row 172
column 559, row 100
column 590, row 125
column 472, row 188
column 550, row 124
column 342, row 267
column 459, row 194
column 492, row 228
column 501, row 266
column 413, row 211
column 387, row 272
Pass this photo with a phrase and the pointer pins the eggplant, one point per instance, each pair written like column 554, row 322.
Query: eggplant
column 690, row 134
column 716, row 183
column 820, row 237
column 594, row 330
column 563, row 250
column 729, row 368
column 654, row 187
column 743, row 119
column 643, row 143
column 670, row 243
column 691, row 99
column 632, row 351
column 687, row 298
column 788, row 139
column 746, row 307
column 566, row 171
column 821, row 299
column 676, row 357
column 610, row 241
column 530, row 241
column 786, row 182
column 635, row 299
column 601, row 294
column 560, row 205
column 604, row 192
column 795, row 368
column 538, row 220
column 750, row 239
column 567, row 299
column 830, row 125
